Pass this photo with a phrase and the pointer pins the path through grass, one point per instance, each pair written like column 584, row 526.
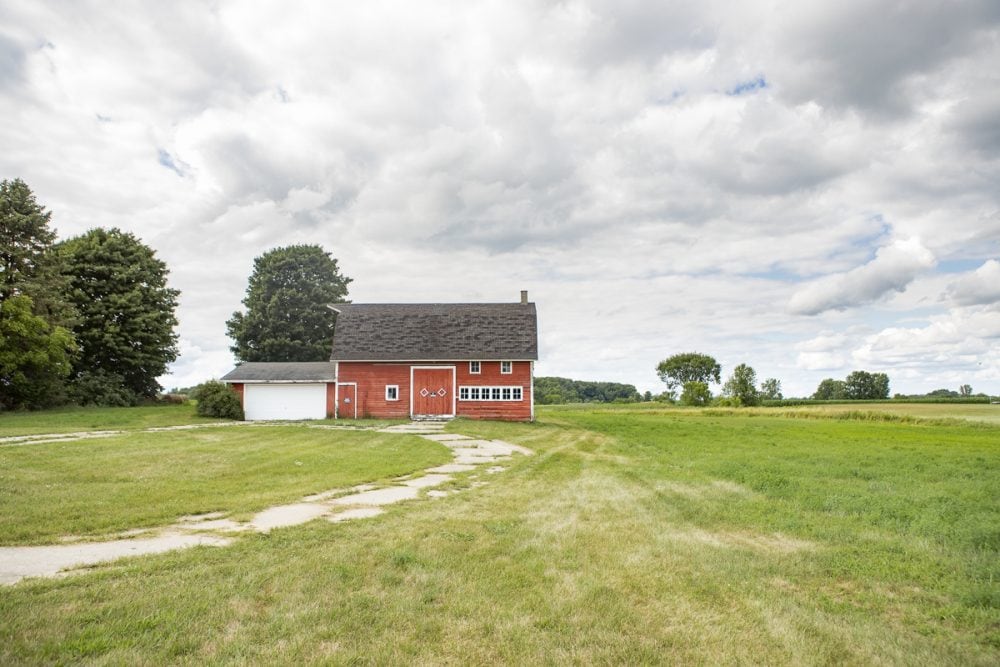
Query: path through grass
column 628, row 538
column 135, row 480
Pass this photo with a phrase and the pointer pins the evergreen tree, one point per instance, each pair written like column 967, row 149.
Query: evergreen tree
column 28, row 264
column 286, row 316
column 126, row 311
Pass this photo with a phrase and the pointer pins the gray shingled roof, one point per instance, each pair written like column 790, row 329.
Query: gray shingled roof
column 282, row 371
column 435, row 331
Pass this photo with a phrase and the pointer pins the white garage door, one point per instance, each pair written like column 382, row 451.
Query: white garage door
column 284, row 401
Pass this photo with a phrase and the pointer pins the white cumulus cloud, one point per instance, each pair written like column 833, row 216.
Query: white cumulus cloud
column 892, row 269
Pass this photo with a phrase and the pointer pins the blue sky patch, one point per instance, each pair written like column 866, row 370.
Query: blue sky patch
column 167, row 160
column 750, row 86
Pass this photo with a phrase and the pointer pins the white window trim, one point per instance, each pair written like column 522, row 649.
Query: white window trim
column 486, row 393
column 393, row 387
column 510, row 368
column 479, row 367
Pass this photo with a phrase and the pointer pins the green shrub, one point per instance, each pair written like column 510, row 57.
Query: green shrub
column 216, row 399
column 101, row 388
column 727, row 402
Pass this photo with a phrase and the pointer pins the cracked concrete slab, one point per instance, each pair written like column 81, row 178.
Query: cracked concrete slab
column 20, row 562
column 286, row 515
column 362, row 501
column 427, row 481
column 453, row 467
column 355, row 513
column 377, row 497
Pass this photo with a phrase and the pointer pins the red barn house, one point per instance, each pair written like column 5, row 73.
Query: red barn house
column 406, row 361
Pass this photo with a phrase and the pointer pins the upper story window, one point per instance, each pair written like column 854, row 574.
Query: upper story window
column 474, row 367
column 392, row 392
column 506, row 367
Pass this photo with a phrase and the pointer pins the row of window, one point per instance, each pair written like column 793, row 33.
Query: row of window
column 476, row 367
column 490, row 393
column 470, row 393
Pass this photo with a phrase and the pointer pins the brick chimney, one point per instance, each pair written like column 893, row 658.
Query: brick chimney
column 524, row 296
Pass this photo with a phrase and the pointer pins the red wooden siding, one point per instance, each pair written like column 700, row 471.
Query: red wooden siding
column 331, row 399
column 237, row 387
column 490, row 376
column 372, row 378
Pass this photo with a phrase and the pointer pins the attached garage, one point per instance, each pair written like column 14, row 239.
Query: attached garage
column 284, row 401
column 285, row 391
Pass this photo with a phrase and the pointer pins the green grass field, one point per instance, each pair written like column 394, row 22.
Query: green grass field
column 138, row 480
column 70, row 420
column 634, row 535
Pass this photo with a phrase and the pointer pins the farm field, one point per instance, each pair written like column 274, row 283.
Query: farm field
column 969, row 411
column 633, row 535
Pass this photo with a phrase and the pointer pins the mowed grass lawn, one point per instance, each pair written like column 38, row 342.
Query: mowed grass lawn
column 632, row 536
column 70, row 420
column 136, row 480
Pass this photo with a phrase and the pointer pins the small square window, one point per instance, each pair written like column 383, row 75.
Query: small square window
column 506, row 367
column 496, row 393
column 474, row 393
column 474, row 368
column 392, row 392
column 517, row 393
column 463, row 393
column 506, row 393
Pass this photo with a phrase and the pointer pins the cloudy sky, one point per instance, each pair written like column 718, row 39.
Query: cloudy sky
column 810, row 188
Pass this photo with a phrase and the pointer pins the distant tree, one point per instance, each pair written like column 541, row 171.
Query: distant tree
column 770, row 389
column 648, row 396
column 965, row 390
column 554, row 390
column 742, row 384
column 942, row 393
column 696, row 394
column 830, row 390
column 862, row 385
column 286, row 316
column 126, row 311
column 35, row 356
column 687, row 367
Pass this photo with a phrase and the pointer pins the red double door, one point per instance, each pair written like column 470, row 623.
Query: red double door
column 433, row 391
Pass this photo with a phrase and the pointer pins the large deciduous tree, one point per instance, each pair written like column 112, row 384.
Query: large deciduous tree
column 286, row 317
column 126, row 312
column 742, row 384
column 35, row 357
column 830, row 390
column 678, row 370
column 862, row 385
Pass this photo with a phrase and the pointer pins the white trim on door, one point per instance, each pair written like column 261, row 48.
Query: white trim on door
column 454, row 387
column 355, row 401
